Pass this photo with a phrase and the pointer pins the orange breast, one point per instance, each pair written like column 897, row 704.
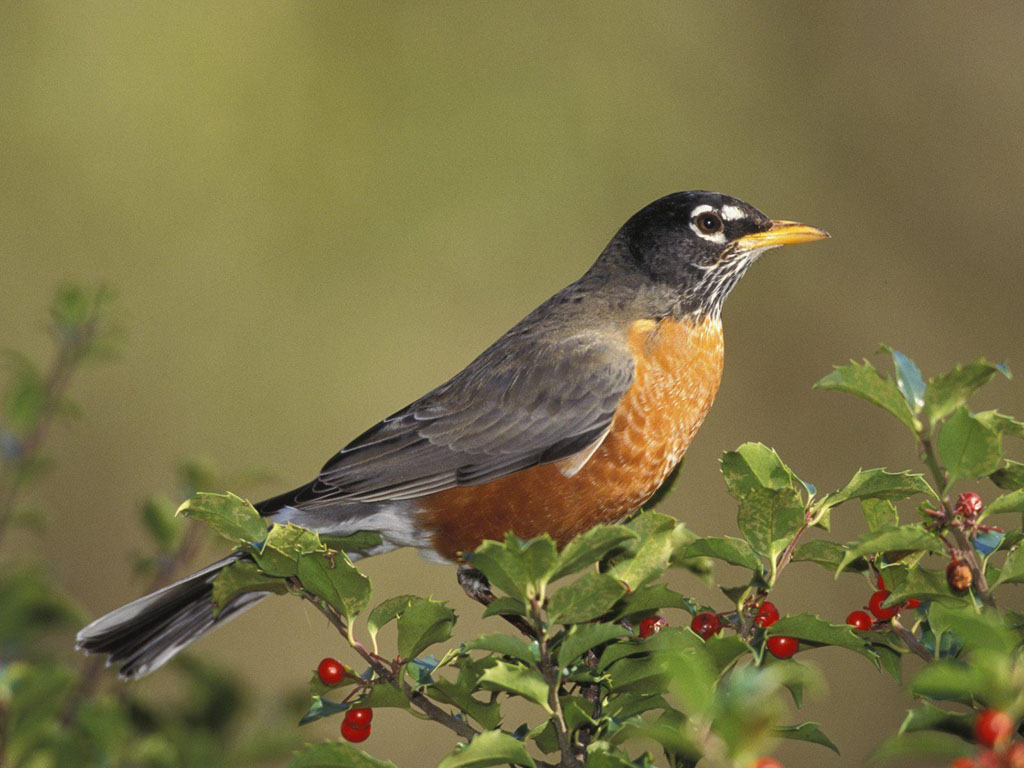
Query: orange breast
column 678, row 370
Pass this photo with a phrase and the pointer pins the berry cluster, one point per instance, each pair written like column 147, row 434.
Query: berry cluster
column 356, row 725
column 862, row 621
column 992, row 729
column 707, row 625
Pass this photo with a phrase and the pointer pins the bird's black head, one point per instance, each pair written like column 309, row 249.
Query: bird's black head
column 701, row 243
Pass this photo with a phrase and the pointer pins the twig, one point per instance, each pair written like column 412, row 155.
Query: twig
column 911, row 642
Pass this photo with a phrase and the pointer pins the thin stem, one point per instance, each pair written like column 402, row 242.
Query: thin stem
column 552, row 675
column 911, row 642
column 970, row 556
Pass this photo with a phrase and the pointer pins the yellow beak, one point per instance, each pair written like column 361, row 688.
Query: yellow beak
column 781, row 233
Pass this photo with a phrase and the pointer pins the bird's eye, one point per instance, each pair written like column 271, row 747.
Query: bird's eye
column 709, row 223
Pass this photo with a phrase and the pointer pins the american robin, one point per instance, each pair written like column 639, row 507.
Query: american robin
column 574, row 417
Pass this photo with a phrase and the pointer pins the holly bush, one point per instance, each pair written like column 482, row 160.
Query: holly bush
column 603, row 664
column 604, row 679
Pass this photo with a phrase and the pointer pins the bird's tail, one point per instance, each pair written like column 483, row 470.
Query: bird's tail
column 146, row 633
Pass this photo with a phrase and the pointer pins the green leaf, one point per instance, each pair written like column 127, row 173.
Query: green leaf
column 862, row 380
column 459, row 695
column 754, row 466
column 331, row 754
column 240, row 577
column 518, row 568
column 725, row 649
column 806, row 732
column 726, row 548
column 507, row 645
column 1013, row 568
column 1010, row 476
column 925, row 745
column 582, row 637
column 950, row 391
column 514, row 678
column 586, row 599
column 1001, row 423
column 232, row 517
column 879, row 514
column 386, row 612
column 421, row 624
column 653, row 597
column 589, row 547
column 825, row 553
column 1008, row 503
column 489, row 748
column 906, row 537
column 908, row 378
column 770, row 518
column 360, row 542
column 929, row 717
column 879, row 484
column 384, row 695
column 283, row 547
column 816, row 631
column 321, row 708
column 648, row 562
column 919, row 583
column 967, row 447
column 948, row 680
column 334, row 579
column 505, row 606
column 977, row 631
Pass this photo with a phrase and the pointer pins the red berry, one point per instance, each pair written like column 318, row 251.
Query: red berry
column 651, row 626
column 766, row 762
column 963, row 762
column 992, row 727
column 989, row 759
column 706, row 625
column 880, row 582
column 359, row 716
column 875, row 605
column 331, row 671
column 1014, row 756
column 782, row 647
column 767, row 614
column 860, row 620
column 969, row 505
column 353, row 732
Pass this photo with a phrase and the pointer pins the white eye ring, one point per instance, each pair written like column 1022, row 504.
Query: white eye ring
column 707, row 223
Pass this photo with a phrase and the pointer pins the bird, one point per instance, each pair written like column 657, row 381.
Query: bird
column 574, row 417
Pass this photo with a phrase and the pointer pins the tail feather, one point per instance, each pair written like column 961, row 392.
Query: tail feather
column 146, row 633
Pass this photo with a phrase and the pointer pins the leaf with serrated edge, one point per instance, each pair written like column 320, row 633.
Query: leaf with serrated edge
column 507, row 645
column 862, row 380
column 386, row 612
column 589, row 547
column 908, row 378
column 524, row 681
column 585, row 599
column 1010, row 476
column 489, row 748
column 769, row 518
column 879, row 484
column 967, row 447
column 242, row 577
column 421, row 624
column 231, row 516
column 582, row 637
column 949, row 391
column 726, row 548
column 905, row 537
column 336, row 581
column 817, row 631
column 806, row 732
column 754, row 465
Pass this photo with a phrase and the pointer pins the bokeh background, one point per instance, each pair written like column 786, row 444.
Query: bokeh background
column 314, row 212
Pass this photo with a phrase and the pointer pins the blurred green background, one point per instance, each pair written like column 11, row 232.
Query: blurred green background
column 314, row 212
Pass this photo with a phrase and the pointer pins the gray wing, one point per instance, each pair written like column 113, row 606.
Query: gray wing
column 514, row 407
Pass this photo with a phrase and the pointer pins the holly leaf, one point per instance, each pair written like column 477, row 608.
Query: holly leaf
column 879, row 514
column 879, row 484
column 929, row 717
column 1008, row 503
column 812, row 630
column 726, row 548
column 1010, row 476
column 589, row 547
column 386, row 612
column 336, row 581
column 967, row 447
column 582, row 637
column 514, row 678
column 754, row 466
column 507, row 645
column 239, row 578
column 589, row 597
column 810, row 732
column 232, row 517
column 863, row 380
column 948, row 392
column 906, row 537
column 283, row 547
column 489, row 748
column 421, row 624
